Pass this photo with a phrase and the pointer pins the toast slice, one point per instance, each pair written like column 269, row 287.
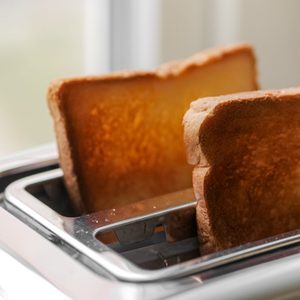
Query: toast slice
column 120, row 135
column 246, row 152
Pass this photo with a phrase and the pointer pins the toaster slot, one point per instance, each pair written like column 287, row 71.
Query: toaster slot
column 145, row 243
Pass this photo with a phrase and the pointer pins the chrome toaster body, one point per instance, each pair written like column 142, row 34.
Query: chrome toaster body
column 140, row 261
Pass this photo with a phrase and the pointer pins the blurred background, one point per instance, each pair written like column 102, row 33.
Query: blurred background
column 45, row 40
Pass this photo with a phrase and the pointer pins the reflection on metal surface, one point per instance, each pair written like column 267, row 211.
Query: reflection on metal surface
column 78, row 234
column 28, row 160
column 29, row 284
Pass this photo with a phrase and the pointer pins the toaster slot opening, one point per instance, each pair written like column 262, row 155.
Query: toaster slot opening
column 53, row 193
column 149, row 243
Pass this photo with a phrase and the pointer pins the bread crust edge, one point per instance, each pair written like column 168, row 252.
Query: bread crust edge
column 58, row 91
column 194, row 121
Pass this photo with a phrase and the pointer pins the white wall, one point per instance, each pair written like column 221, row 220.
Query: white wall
column 272, row 26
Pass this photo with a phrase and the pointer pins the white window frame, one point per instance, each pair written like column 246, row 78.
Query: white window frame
column 121, row 35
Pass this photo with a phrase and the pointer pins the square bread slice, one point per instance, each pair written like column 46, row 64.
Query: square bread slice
column 120, row 136
column 246, row 152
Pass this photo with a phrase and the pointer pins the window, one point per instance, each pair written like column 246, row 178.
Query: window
column 45, row 40
column 40, row 41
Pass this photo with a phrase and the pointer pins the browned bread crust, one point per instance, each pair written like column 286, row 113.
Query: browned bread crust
column 120, row 135
column 246, row 149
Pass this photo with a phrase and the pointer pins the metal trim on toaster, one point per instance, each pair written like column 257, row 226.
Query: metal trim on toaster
column 80, row 237
column 29, row 232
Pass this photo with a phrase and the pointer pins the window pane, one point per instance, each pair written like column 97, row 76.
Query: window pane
column 40, row 41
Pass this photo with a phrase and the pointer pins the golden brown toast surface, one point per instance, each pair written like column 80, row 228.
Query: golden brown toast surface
column 247, row 151
column 120, row 136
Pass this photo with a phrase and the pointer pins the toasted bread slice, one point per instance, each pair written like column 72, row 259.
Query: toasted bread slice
column 120, row 136
column 246, row 152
